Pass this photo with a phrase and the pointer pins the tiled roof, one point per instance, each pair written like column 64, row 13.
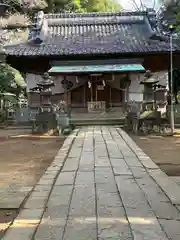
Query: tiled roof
column 91, row 33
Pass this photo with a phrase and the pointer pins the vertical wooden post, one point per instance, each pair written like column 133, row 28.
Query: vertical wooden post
column 64, row 78
column 96, row 93
column 69, row 97
column 96, row 89
column 66, row 91
column 110, row 97
column 91, row 95
column 85, row 85
column 127, row 95
column 91, row 91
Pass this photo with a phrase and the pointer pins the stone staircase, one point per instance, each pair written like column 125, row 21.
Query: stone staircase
column 113, row 116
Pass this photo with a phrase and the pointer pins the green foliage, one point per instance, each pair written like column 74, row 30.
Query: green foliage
column 170, row 14
column 65, row 5
column 10, row 79
column 176, row 82
column 176, row 78
column 15, row 6
column 100, row 6
column 83, row 5
column 178, row 20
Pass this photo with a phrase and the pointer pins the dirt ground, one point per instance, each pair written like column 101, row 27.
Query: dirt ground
column 164, row 151
column 23, row 161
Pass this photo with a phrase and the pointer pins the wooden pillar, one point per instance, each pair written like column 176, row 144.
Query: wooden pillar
column 65, row 91
column 96, row 98
column 110, row 97
column 69, row 97
column 85, row 95
column 127, row 97
column 125, row 100
column 91, row 89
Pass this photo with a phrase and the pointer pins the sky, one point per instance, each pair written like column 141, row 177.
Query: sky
column 128, row 4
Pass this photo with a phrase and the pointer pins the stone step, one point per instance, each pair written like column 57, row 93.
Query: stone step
column 86, row 122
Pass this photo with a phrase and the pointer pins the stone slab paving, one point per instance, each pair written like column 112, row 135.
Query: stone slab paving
column 12, row 196
column 101, row 186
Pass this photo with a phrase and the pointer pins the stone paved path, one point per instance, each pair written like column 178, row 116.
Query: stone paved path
column 106, row 188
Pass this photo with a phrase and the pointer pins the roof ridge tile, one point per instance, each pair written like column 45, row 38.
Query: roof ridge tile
column 95, row 14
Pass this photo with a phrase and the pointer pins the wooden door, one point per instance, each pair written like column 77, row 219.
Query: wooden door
column 98, row 92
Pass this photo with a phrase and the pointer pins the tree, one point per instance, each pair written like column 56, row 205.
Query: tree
column 12, row 85
column 100, row 6
column 82, row 5
column 11, row 80
column 169, row 14
column 176, row 83
column 22, row 6
column 51, row 6
column 63, row 6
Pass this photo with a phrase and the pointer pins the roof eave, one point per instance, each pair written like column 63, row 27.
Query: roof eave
column 120, row 54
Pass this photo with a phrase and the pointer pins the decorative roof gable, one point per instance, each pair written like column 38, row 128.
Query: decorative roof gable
column 92, row 33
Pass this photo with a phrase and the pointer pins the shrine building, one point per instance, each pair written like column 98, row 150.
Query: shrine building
column 97, row 60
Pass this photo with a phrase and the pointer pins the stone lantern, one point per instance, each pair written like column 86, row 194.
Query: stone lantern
column 148, row 95
column 45, row 93
column 160, row 94
column 161, row 99
column 45, row 121
column 148, row 83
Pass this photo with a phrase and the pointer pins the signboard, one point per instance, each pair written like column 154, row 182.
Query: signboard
column 98, row 68
column 100, row 87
